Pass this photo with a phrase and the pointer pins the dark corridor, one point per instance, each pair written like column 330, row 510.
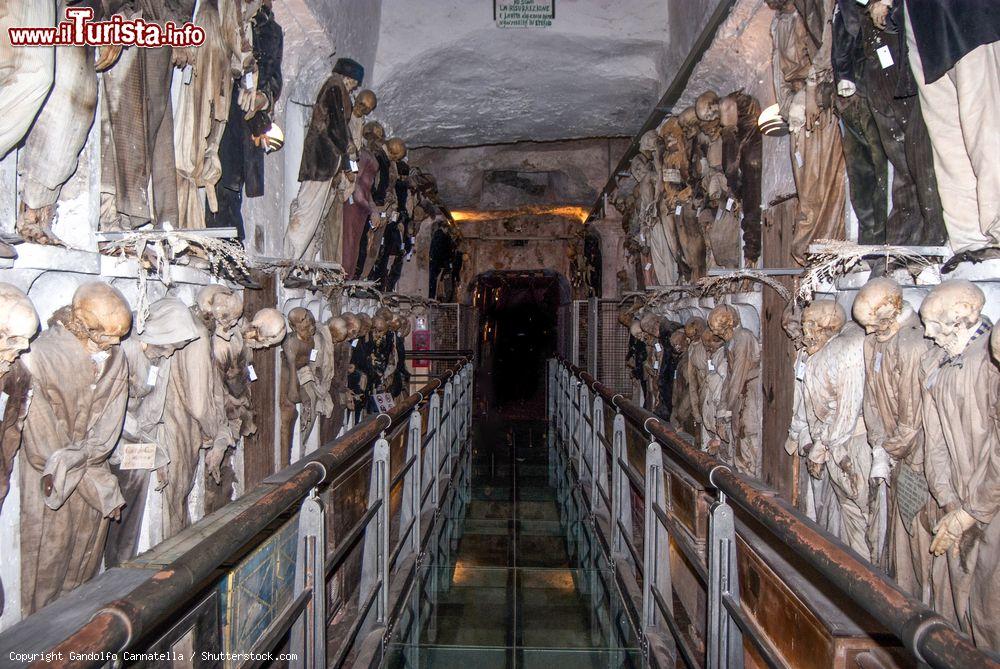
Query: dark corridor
column 518, row 326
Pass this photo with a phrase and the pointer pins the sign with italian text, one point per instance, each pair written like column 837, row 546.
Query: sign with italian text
column 524, row 13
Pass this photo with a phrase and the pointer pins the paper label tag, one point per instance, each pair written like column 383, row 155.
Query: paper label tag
column 251, row 373
column 248, row 80
column 648, row 266
column 863, row 3
column 384, row 402
column 798, row 158
column 408, row 256
column 657, row 347
column 188, row 75
column 729, row 204
column 395, row 216
column 413, row 240
column 656, row 364
column 154, row 372
column 381, row 214
column 711, row 366
column 878, row 361
column 138, row 456
column 642, row 237
column 800, row 371
column 675, row 374
column 350, row 199
column 354, row 165
column 313, row 355
column 677, row 211
column 354, row 344
column 4, row 398
column 884, row 56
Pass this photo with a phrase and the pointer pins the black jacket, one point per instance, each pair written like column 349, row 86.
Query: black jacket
column 326, row 140
column 947, row 30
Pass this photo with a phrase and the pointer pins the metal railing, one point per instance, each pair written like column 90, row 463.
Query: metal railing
column 606, row 483
column 158, row 601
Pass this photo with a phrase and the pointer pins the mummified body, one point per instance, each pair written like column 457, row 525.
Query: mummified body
column 894, row 346
column 68, row 493
column 741, row 391
column 961, row 388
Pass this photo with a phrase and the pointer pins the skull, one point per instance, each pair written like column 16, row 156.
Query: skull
column 650, row 324
column 381, row 322
column 723, row 321
column 689, row 122
column 396, row 321
column 672, row 134
column 303, row 323
column 395, row 148
column 339, row 328
column 19, row 324
column 877, row 308
column 710, row 341
column 707, row 106
column 220, row 306
column 952, row 313
column 364, row 325
column 679, row 340
column 353, row 325
column 99, row 316
column 373, row 132
column 648, row 142
column 365, row 103
column 694, row 328
column 635, row 329
column 729, row 111
column 404, row 328
column 267, row 329
column 821, row 321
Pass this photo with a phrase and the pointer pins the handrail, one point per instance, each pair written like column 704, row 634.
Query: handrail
column 927, row 635
column 174, row 585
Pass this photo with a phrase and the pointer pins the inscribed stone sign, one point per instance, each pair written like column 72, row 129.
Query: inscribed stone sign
column 524, row 13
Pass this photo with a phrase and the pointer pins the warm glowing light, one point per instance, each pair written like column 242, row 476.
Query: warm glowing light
column 579, row 213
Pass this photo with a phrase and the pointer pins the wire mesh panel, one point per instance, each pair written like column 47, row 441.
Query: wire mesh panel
column 581, row 316
column 612, row 347
column 443, row 320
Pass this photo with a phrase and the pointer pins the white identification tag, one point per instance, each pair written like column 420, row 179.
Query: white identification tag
column 312, row 355
column 675, row 374
column 4, row 398
column 729, row 204
column 642, row 237
column 248, row 80
column 798, row 158
column 350, row 199
column 677, row 211
column 711, row 366
column 188, row 75
column 878, row 361
column 354, row 344
column 395, row 216
column 657, row 347
column 354, row 165
column 648, row 266
column 408, row 256
column 138, row 456
column 656, row 364
column 863, row 3
column 413, row 240
column 251, row 373
column 154, row 372
column 884, row 56
column 800, row 371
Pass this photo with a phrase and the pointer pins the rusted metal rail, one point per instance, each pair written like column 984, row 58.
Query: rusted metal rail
column 156, row 601
column 928, row 636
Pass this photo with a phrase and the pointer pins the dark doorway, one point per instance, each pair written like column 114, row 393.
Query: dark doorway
column 518, row 331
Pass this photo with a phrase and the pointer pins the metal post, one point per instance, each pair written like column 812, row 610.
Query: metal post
column 382, row 480
column 448, row 421
column 619, row 486
column 582, row 444
column 597, row 454
column 575, row 340
column 593, row 336
column 656, row 542
column 308, row 636
column 725, row 643
column 412, row 486
column 435, row 468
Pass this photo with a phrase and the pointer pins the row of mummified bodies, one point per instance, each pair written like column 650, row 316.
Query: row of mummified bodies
column 359, row 203
column 705, row 377
column 895, row 424
column 90, row 388
column 156, row 156
column 697, row 183
column 333, row 373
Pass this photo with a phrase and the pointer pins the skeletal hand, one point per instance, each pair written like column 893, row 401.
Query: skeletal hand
column 107, row 56
column 815, row 469
column 949, row 530
column 879, row 11
column 213, row 463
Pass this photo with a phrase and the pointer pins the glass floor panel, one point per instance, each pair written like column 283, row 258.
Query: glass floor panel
column 510, row 591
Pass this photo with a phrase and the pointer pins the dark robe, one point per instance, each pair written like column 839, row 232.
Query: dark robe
column 946, row 31
column 327, row 138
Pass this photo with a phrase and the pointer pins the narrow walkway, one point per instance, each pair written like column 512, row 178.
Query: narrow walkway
column 512, row 594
